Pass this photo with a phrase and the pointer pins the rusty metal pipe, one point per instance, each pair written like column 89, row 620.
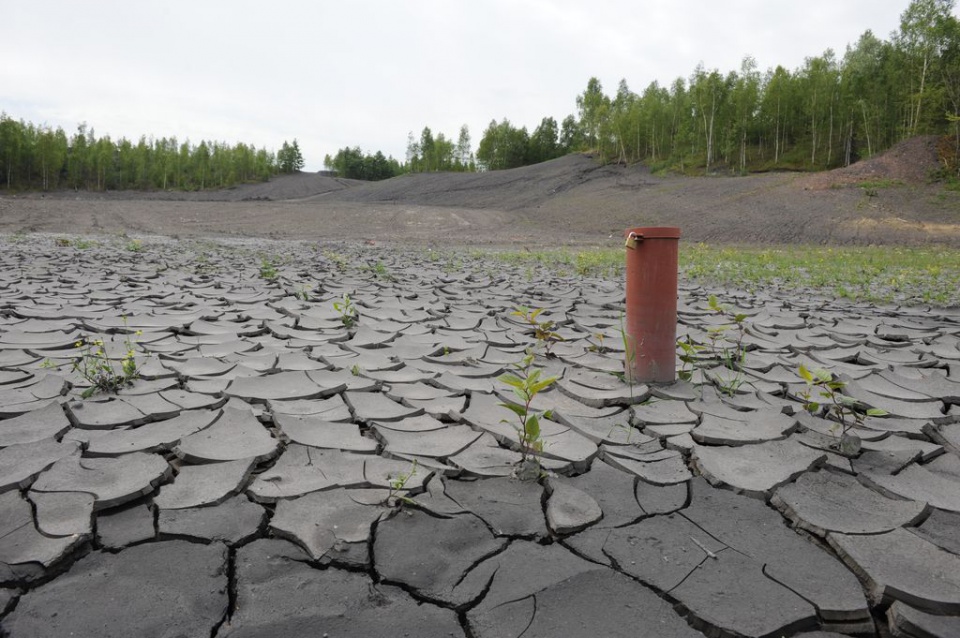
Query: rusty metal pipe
column 650, row 333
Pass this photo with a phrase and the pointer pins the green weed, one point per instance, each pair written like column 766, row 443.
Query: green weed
column 690, row 360
column 732, row 357
column 338, row 260
column 543, row 331
column 102, row 373
column 379, row 270
column 348, row 313
column 847, row 411
column 303, row 294
column 268, row 270
column 526, row 384
column 877, row 184
column 398, row 483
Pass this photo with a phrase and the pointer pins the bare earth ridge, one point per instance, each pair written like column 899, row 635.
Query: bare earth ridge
column 571, row 200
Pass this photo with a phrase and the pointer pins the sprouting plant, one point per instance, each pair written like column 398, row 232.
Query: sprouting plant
column 630, row 356
column 380, row 270
column 597, row 347
column 348, row 313
column 543, row 331
column 83, row 244
column 689, row 358
column 201, row 264
column 356, row 370
column 63, row 242
column 102, row 373
column 268, row 270
column 338, row 260
column 135, row 245
column 846, row 411
column 599, row 336
column 731, row 358
column 303, row 294
column 737, row 318
column 526, row 384
column 398, row 483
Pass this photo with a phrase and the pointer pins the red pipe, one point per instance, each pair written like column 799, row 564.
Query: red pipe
column 651, row 326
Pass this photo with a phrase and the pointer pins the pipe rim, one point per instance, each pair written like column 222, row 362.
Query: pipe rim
column 655, row 232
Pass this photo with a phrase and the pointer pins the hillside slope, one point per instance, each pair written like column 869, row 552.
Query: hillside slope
column 508, row 190
column 570, row 200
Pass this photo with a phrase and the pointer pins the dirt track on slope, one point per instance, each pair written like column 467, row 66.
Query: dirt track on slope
column 571, row 200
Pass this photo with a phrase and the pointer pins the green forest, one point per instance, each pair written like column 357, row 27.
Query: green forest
column 39, row 157
column 831, row 112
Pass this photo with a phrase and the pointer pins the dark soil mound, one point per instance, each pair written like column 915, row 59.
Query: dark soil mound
column 282, row 187
column 912, row 161
column 515, row 189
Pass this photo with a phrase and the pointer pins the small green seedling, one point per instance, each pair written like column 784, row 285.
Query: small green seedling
column 597, row 347
column 303, row 294
column 338, row 260
column 847, row 411
column 268, row 270
column 630, row 356
column 526, row 384
column 398, row 483
column 689, row 358
column 348, row 313
column 381, row 271
column 135, row 245
column 732, row 358
column 95, row 366
column 543, row 331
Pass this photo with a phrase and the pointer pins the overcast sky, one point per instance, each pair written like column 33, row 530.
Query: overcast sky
column 335, row 74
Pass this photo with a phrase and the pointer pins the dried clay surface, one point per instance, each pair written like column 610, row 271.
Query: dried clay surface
column 320, row 449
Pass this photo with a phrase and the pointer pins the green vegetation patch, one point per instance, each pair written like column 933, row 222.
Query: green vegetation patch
column 877, row 184
column 872, row 273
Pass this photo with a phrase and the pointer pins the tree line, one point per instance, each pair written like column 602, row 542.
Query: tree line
column 428, row 153
column 40, row 157
column 353, row 163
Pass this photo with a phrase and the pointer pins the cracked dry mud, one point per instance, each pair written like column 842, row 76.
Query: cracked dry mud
column 245, row 485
